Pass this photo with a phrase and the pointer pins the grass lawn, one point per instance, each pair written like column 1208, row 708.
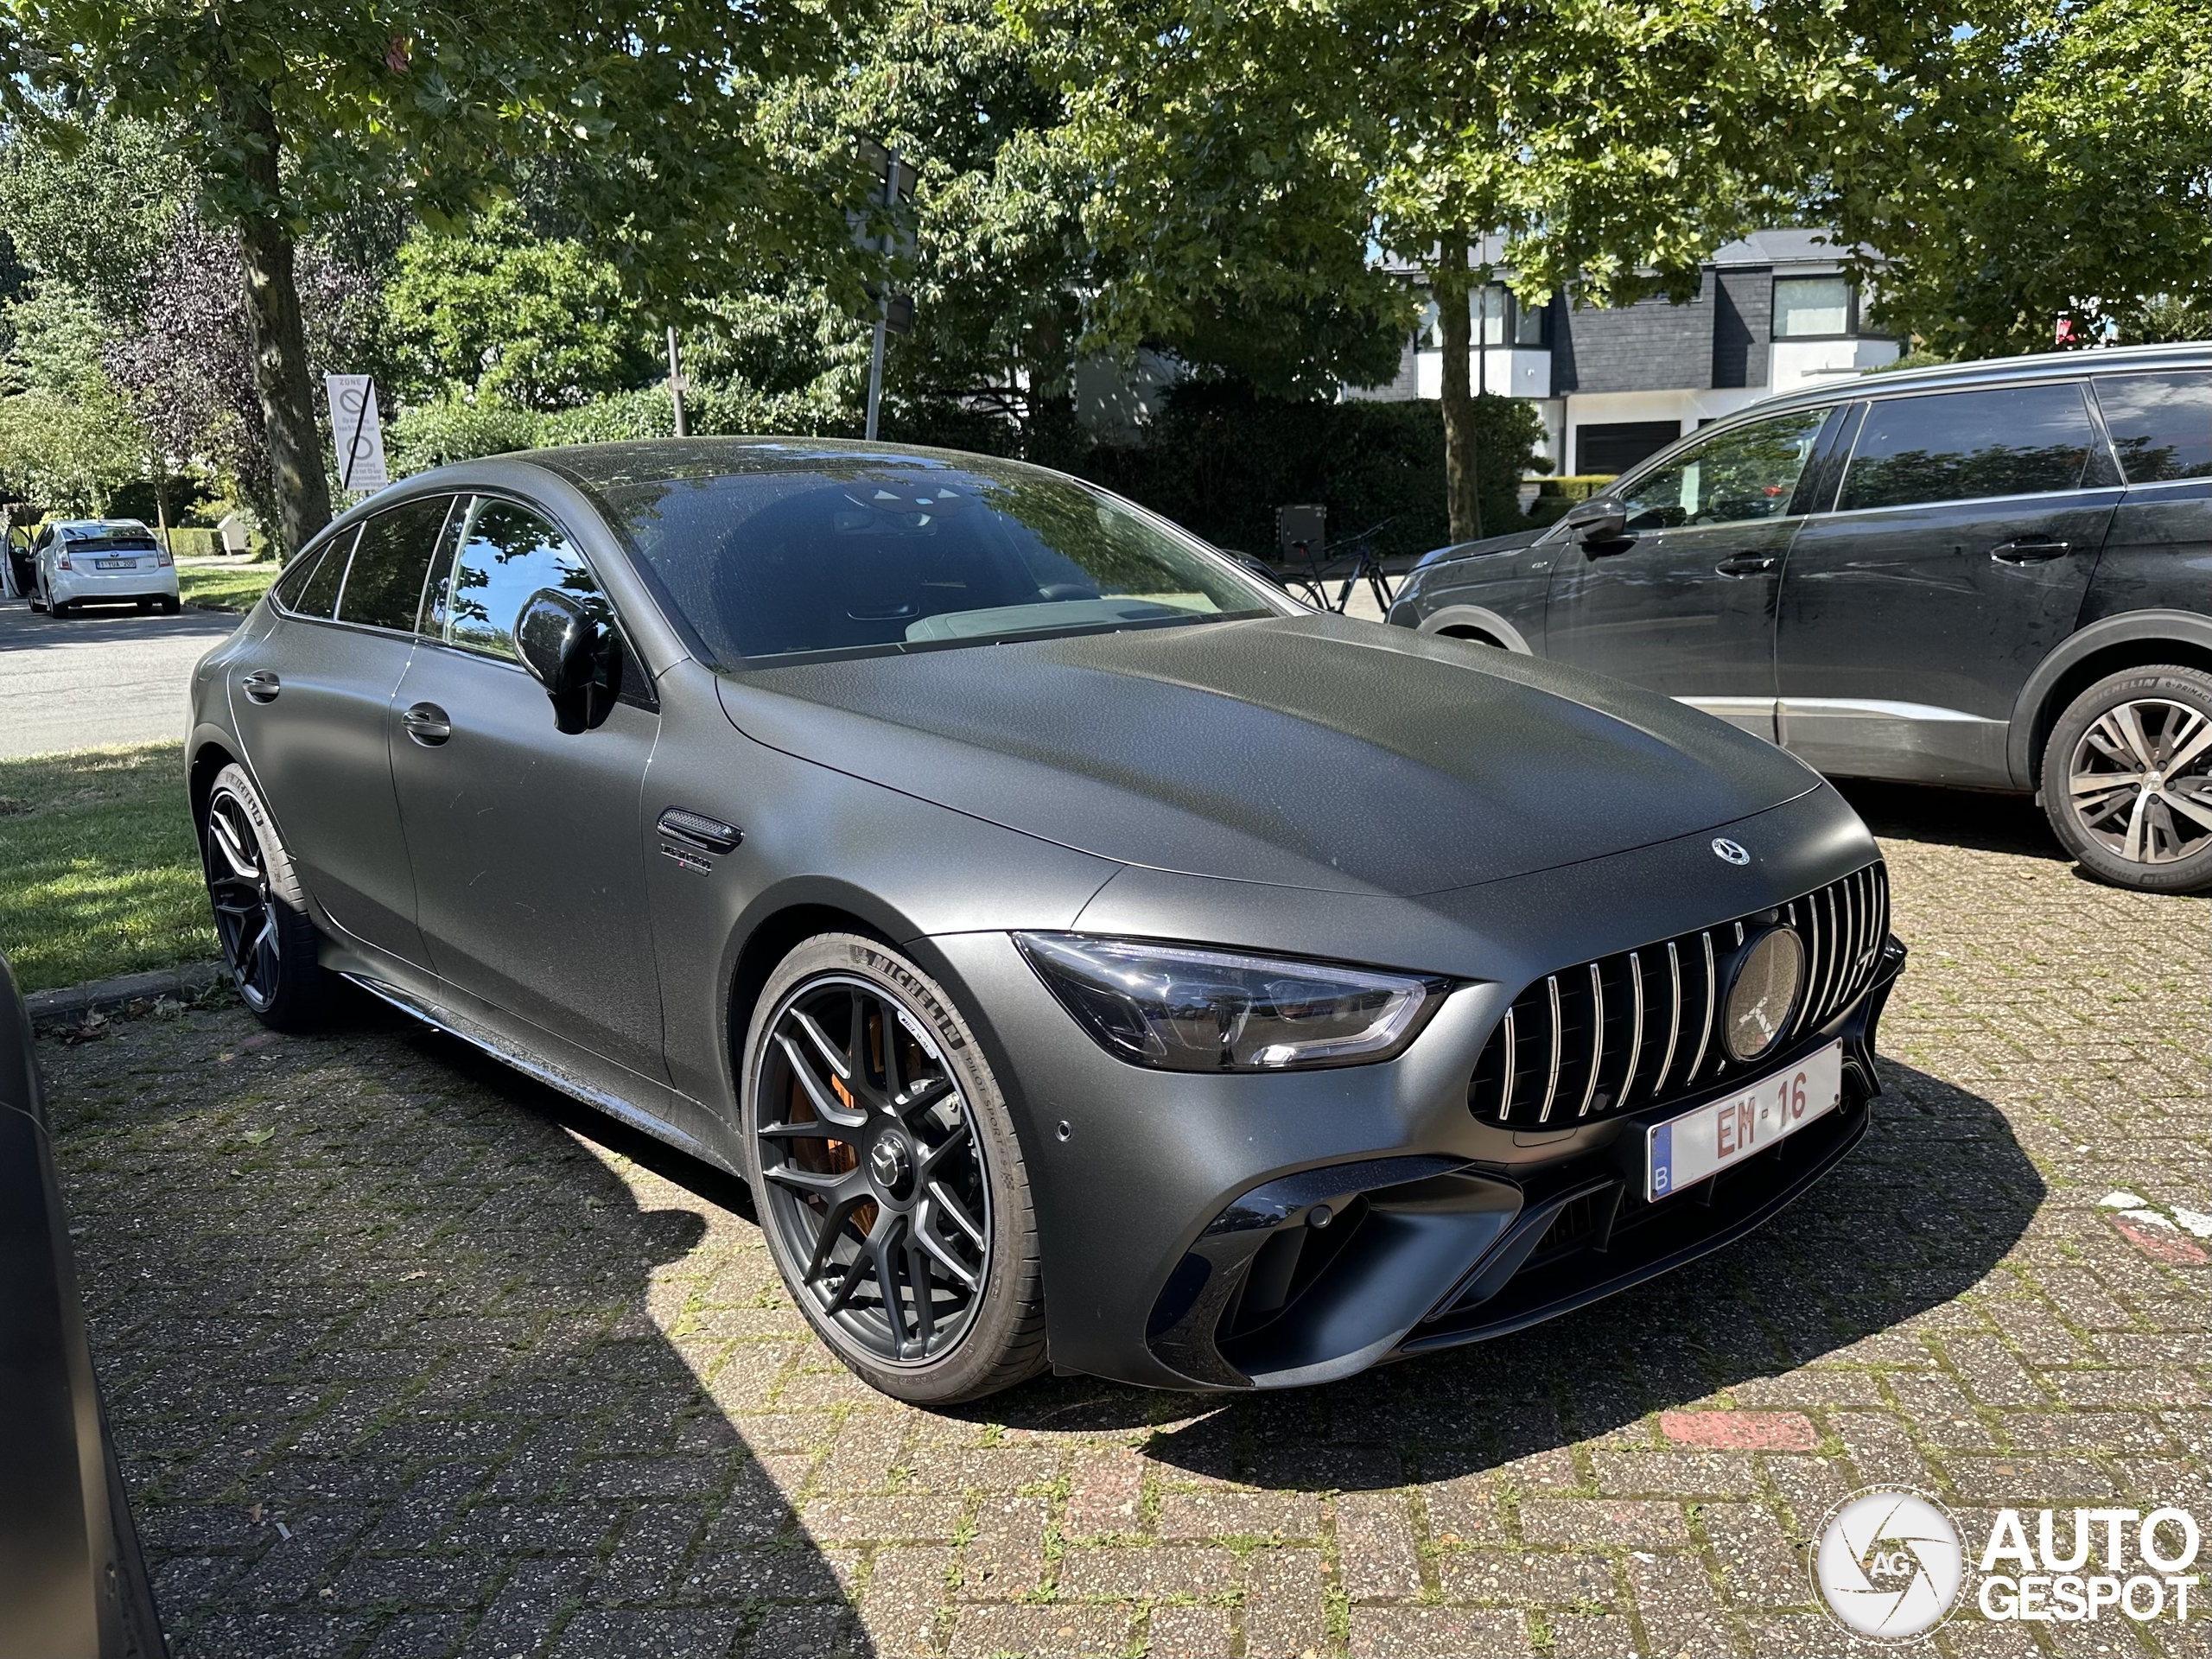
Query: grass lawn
column 99, row 874
column 220, row 585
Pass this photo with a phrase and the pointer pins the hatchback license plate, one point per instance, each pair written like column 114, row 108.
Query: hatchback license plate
column 115, row 564
column 1684, row 1150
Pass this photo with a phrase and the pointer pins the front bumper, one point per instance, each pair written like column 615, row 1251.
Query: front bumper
column 1234, row 1231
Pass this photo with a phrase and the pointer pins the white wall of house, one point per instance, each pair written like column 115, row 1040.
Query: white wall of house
column 1794, row 363
column 1500, row 371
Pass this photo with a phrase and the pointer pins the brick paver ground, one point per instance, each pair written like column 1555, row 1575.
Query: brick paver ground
column 408, row 1357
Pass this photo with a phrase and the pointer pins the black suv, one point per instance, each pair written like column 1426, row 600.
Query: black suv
column 1992, row 574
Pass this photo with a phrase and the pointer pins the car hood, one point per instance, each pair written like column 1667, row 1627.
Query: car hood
column 1511, row 542
column 1304, row 751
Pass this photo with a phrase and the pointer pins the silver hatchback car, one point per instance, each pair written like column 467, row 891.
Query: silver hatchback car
column 101, row 561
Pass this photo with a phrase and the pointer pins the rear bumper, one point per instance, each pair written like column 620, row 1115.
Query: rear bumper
column 81, row 587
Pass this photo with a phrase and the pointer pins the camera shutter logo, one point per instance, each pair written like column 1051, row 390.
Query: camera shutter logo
column 1889, row 1565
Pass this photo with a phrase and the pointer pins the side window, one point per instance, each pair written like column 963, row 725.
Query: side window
column 383, row 589
column 1960, row 445
column 1747, row 472
column 2160, row 424
column 310, row 588
column 508, row 553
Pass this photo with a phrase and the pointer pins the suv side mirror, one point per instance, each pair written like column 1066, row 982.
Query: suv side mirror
column 578, row 662
column 1600, row 520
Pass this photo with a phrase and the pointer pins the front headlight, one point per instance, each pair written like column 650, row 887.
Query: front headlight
column 1181, row 1008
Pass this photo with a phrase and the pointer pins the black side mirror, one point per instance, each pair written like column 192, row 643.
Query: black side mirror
column 1601, row 521
column 578, row 662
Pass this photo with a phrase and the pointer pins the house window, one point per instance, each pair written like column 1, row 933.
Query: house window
column 1528, row 322
column 1491, row 305
column 1812, row 308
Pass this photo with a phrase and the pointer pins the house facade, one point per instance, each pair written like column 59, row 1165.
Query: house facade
column 1771, row 312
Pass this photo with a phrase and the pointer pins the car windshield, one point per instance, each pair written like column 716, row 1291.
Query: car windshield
column 874, row 553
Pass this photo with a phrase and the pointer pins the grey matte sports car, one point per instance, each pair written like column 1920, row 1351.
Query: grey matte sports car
column 1086, row 954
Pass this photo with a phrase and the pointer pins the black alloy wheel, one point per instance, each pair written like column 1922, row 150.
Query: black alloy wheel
column 269, row 942
column 2127, row 779
column 247, row 920
column 879, row 1184
column 888, row 1178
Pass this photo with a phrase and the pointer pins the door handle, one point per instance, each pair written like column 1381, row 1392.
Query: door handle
column 262, row 685
column 1746, row 564
column 427, row 724
column 2030, row 550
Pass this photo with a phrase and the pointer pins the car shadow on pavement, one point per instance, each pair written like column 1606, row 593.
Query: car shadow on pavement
column 25, row 630
column 398, row 1366
column 1779, row 1322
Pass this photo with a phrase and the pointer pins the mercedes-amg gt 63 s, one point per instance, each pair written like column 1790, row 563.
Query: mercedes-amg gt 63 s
column 1088, row 956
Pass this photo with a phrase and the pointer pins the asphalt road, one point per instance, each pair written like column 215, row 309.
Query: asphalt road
column 107, row 676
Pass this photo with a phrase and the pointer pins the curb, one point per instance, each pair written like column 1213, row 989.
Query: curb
column 71, row 1003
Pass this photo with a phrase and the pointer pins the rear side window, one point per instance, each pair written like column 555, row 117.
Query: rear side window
column 1959, row 446
column 2160, row 424
column 310, row 588
column 508, row 553
column 384, row 588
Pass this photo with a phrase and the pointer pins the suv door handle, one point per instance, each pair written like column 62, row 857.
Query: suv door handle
column 262, row 685
column 2030, row 550
column 1746, row 564
column 427, row 724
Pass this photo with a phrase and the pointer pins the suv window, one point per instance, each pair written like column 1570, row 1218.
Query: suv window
column 2160, row 424
column 383, row 589
column 1959, row 446
column 507, row 553
column 311, row 587
column 1747, row 472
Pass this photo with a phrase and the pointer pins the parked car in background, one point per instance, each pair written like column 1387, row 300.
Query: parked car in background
column 1993, row 574
column 98, row 562
column 73, row 1582
column 1086, row 954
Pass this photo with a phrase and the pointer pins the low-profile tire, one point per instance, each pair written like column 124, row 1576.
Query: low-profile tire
column 2127, row 779
column 269, row 940
column 887, row 1176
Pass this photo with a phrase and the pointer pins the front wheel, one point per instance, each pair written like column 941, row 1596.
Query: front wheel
column 261, row 917
column 887, row 1177
column 2127, row 779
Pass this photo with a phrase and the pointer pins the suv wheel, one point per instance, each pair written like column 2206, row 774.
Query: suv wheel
column 2127, row 779
column 261, row 918
column 887, row 1175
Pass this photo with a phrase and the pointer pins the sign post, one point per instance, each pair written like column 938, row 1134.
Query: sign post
column 356, row 432
column 894, row 313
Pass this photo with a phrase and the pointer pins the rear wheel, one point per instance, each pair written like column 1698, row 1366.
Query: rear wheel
column 171, row 606
column 261, row 917
column 2127, row 779
column 887, row 1177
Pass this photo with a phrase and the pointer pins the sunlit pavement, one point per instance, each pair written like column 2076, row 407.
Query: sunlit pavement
column 406, row 1356
column 98, row 677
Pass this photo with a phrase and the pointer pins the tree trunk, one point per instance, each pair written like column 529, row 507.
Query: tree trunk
column 1462, row 490
column 280, row 347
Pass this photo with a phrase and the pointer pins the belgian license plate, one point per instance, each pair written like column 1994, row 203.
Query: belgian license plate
column 1684, row 1151
column 115, row 564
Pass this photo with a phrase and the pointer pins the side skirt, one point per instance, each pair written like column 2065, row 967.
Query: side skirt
column 477, row 1036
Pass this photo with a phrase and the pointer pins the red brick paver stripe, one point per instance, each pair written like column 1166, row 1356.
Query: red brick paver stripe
column 2176, row 1252
column 1740, row 1431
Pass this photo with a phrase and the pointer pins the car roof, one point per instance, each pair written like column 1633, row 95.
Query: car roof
column 1995, row 371
column 654, row 461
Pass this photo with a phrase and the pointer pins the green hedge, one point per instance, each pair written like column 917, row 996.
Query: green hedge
column 1221, row 463
column 1556, row 495
column 188, row 541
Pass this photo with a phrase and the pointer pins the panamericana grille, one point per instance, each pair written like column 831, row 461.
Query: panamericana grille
column 1643, row 1027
